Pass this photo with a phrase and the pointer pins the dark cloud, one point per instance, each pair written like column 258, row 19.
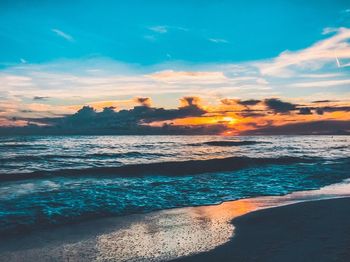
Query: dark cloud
column 26, row 111
column 144, row 101
column 251, row 113
column 133, row 121
column 305, row 111
column 322, row 110
column 319, row 111
column 85, row 112
column 281, row 107
column 190, row 101
column 250, row 102
column 335, row 108
column 278, row 106
column 107, row 113
column 323, row 101
column 327, row 127
column 41, row 97
column 136, row 120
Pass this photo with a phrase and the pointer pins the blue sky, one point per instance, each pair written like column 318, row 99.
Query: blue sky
column 153, row 32
column 73, row 53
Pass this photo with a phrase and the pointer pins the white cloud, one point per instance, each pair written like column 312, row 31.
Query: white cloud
column 63, row 35
column 328, row 83
column 218, row 40
column 161, row 29
column 171, row 75
column 320, row 75
column 313, row 58
column 329, row 30
column 69, row 82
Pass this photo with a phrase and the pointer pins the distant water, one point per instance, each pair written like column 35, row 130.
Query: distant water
column 63, row 179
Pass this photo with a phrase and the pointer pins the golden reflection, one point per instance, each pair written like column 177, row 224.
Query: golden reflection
column 169, row 234
column 157, row 236
column 226, row 210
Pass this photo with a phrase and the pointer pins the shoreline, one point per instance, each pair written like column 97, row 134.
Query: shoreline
column 180, row 233
column 317, row 230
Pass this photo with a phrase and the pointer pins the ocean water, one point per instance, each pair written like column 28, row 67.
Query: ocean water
column 47, row 181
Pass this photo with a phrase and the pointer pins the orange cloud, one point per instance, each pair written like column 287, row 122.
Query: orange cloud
column 99, row 105
column 183, row 75
column 231, row 116
column 239, row 116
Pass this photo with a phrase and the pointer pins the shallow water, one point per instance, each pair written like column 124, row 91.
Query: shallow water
column 47, row 181
column 157, row 236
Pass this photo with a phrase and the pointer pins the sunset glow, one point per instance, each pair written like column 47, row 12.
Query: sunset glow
column 212, row 83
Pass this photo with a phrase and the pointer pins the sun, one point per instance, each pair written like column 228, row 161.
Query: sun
column 229, row 120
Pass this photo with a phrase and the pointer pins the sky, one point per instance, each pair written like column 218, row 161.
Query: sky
column 58, row 56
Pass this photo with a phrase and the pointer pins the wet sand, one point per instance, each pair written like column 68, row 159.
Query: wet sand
column 290, row 233
column 309, row 231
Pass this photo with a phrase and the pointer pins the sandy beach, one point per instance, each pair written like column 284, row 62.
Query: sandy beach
column 310, row 231
column 270, row 228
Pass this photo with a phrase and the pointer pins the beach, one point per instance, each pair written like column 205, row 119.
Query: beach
column 302, row 226
column 114, row 198
column 310, row 231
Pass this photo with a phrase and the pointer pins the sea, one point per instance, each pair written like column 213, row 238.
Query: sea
column 47, row 181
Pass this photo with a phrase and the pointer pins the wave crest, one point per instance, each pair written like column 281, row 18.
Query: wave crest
column 174, row 168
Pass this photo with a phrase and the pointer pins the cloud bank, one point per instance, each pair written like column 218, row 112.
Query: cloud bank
column 194, row 117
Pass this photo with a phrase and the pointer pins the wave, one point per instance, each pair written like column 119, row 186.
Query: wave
column 229, row 143
column 340, row 147
column 173, row 168
column 126, row 155
column 22, row 147
column 34, row 157
column 5, row 145
column 95, row 155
